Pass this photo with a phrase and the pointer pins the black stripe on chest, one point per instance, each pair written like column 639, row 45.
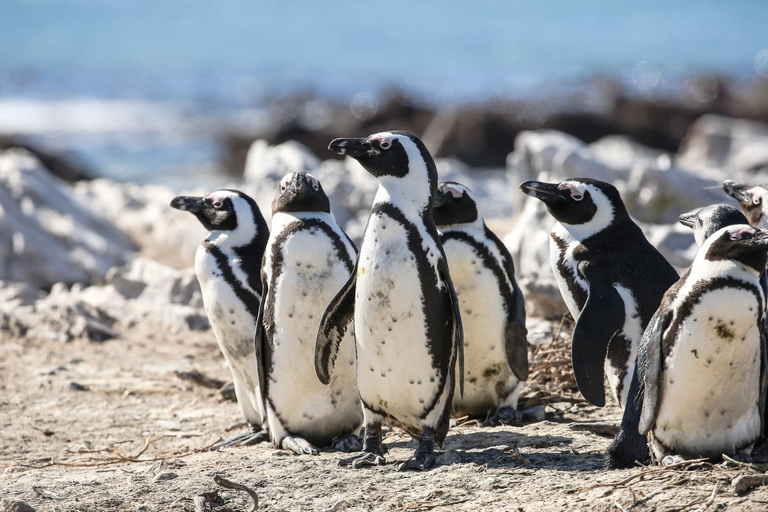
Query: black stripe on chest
column 489, row 262
column 694, row 297
column 435, row 303
column 577, row 292
column 249, row 297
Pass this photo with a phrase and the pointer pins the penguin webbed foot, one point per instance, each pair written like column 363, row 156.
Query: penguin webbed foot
column 254, row 436
column 373, row 450
column 504, row 416
column 424, row 457
column 348, row 443
column 299, row 446
column 363, row 460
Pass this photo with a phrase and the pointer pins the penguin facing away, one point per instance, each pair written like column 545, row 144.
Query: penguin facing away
column 611, row 278
column 492, row 308
column 308, row 258
column 401, row 301
column 752, row 200
column 629, row 446
column 704, row 391
column 227, row 266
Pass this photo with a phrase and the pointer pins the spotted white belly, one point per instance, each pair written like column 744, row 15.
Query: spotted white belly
column 311, row 275
column 710, row 387
column 233, row 325
column 488, row 380
column 395, row 372
column 570, row 267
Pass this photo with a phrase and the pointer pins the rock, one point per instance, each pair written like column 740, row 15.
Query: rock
column 268, row 164
column 227, row 392
column 16, row 506
column 74, row 386
column 535, row 413
column 156, row 283
column 449, row 458
column 46, row 234
column 165, row 476
column 542, row 297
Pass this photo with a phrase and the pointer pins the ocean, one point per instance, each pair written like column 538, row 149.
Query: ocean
column 137, row 88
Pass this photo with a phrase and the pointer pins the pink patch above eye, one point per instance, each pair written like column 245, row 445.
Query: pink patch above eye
column 575, row 192
column 453, row 191
column 742, row 234
column 755, row 198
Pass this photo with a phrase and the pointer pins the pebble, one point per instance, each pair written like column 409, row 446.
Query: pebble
column 165, row 476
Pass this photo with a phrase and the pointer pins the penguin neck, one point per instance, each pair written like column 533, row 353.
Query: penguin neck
column 282, row 219
column 413, row 202
column 476, row 228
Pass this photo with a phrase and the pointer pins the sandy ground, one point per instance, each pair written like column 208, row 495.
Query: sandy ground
column 101, row 427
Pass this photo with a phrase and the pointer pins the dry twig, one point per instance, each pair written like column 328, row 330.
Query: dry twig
column 743, row 483
column 228, row 484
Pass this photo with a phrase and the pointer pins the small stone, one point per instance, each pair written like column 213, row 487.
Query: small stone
column 74, row 386
column 449, row 458
column 16, row 506
column 535, row 413
column 165, row 476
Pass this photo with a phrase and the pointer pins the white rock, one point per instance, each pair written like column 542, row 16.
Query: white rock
column 46, row 234
column 266, row 164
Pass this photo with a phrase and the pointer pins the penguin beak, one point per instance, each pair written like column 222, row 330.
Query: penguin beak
column 547, row 192
column 298, row 183
column 687, row 219
column 351, row 147
column 440, row 199
column 188, row 204
column 760, row 238
column 737, row 191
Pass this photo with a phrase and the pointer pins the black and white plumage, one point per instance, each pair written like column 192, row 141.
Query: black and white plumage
column 307, row 260
column 704, row 388
column 630, row 446
column 753, row 201
column 227, row 265
column 492, row 308
column 611, row 278
column 401, row 301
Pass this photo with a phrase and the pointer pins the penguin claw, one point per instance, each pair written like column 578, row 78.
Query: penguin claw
column 245, row 439
column 348, row 443
column 419, row 462
column 366, row 459
column 504, row 416
column 298, row 446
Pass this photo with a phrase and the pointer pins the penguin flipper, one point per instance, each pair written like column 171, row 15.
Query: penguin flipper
column 337, row 317
column 259, row 343
column 515, row 335
column 458, row 327
column 601, row 318
column 651, row 345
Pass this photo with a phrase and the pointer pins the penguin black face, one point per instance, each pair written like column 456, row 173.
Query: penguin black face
column 740, row 242
column 300, row 192
column 705, row 221
column 383, row 154
column 454, row 204
column 216, row 211
column 752, row 200
column 584, row 205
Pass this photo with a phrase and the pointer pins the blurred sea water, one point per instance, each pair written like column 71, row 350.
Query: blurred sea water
column 139, row 87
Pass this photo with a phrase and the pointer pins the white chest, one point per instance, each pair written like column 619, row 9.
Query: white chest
column 565, row 268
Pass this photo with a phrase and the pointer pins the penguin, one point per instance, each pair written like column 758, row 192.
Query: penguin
column 629, row 446
column 227, row 266
column 307, row 260
column 752, row 200
column 401, row 302
column 492, row 308
column 704, row 387
column 611, row 278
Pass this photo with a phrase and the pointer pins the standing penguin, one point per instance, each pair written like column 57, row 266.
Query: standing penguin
column 629, row 446
column 753, row 201
column 704, row 393
column 227, row 265
column 401, row 301
column 307, row 260
column 611, row 277
column 492, row 306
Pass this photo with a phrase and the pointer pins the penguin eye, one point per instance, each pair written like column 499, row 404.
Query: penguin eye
column 385, row 144
column 756, row 200
column 218, row 204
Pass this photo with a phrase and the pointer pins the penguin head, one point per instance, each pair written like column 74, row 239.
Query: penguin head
column 300, row 192
column 741, row 243
column 584, row 206
column 225, row 211
column 753, row 201
column 454, row 204
column 709, row 219
column 398, row 159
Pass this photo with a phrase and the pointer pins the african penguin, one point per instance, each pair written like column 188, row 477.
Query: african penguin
column 611, row 278
column 307, row 260
column 492, row 308
column 753, row 201
column 705, row 354
column 629, row 446
column 227, row 265
column 401, row 301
